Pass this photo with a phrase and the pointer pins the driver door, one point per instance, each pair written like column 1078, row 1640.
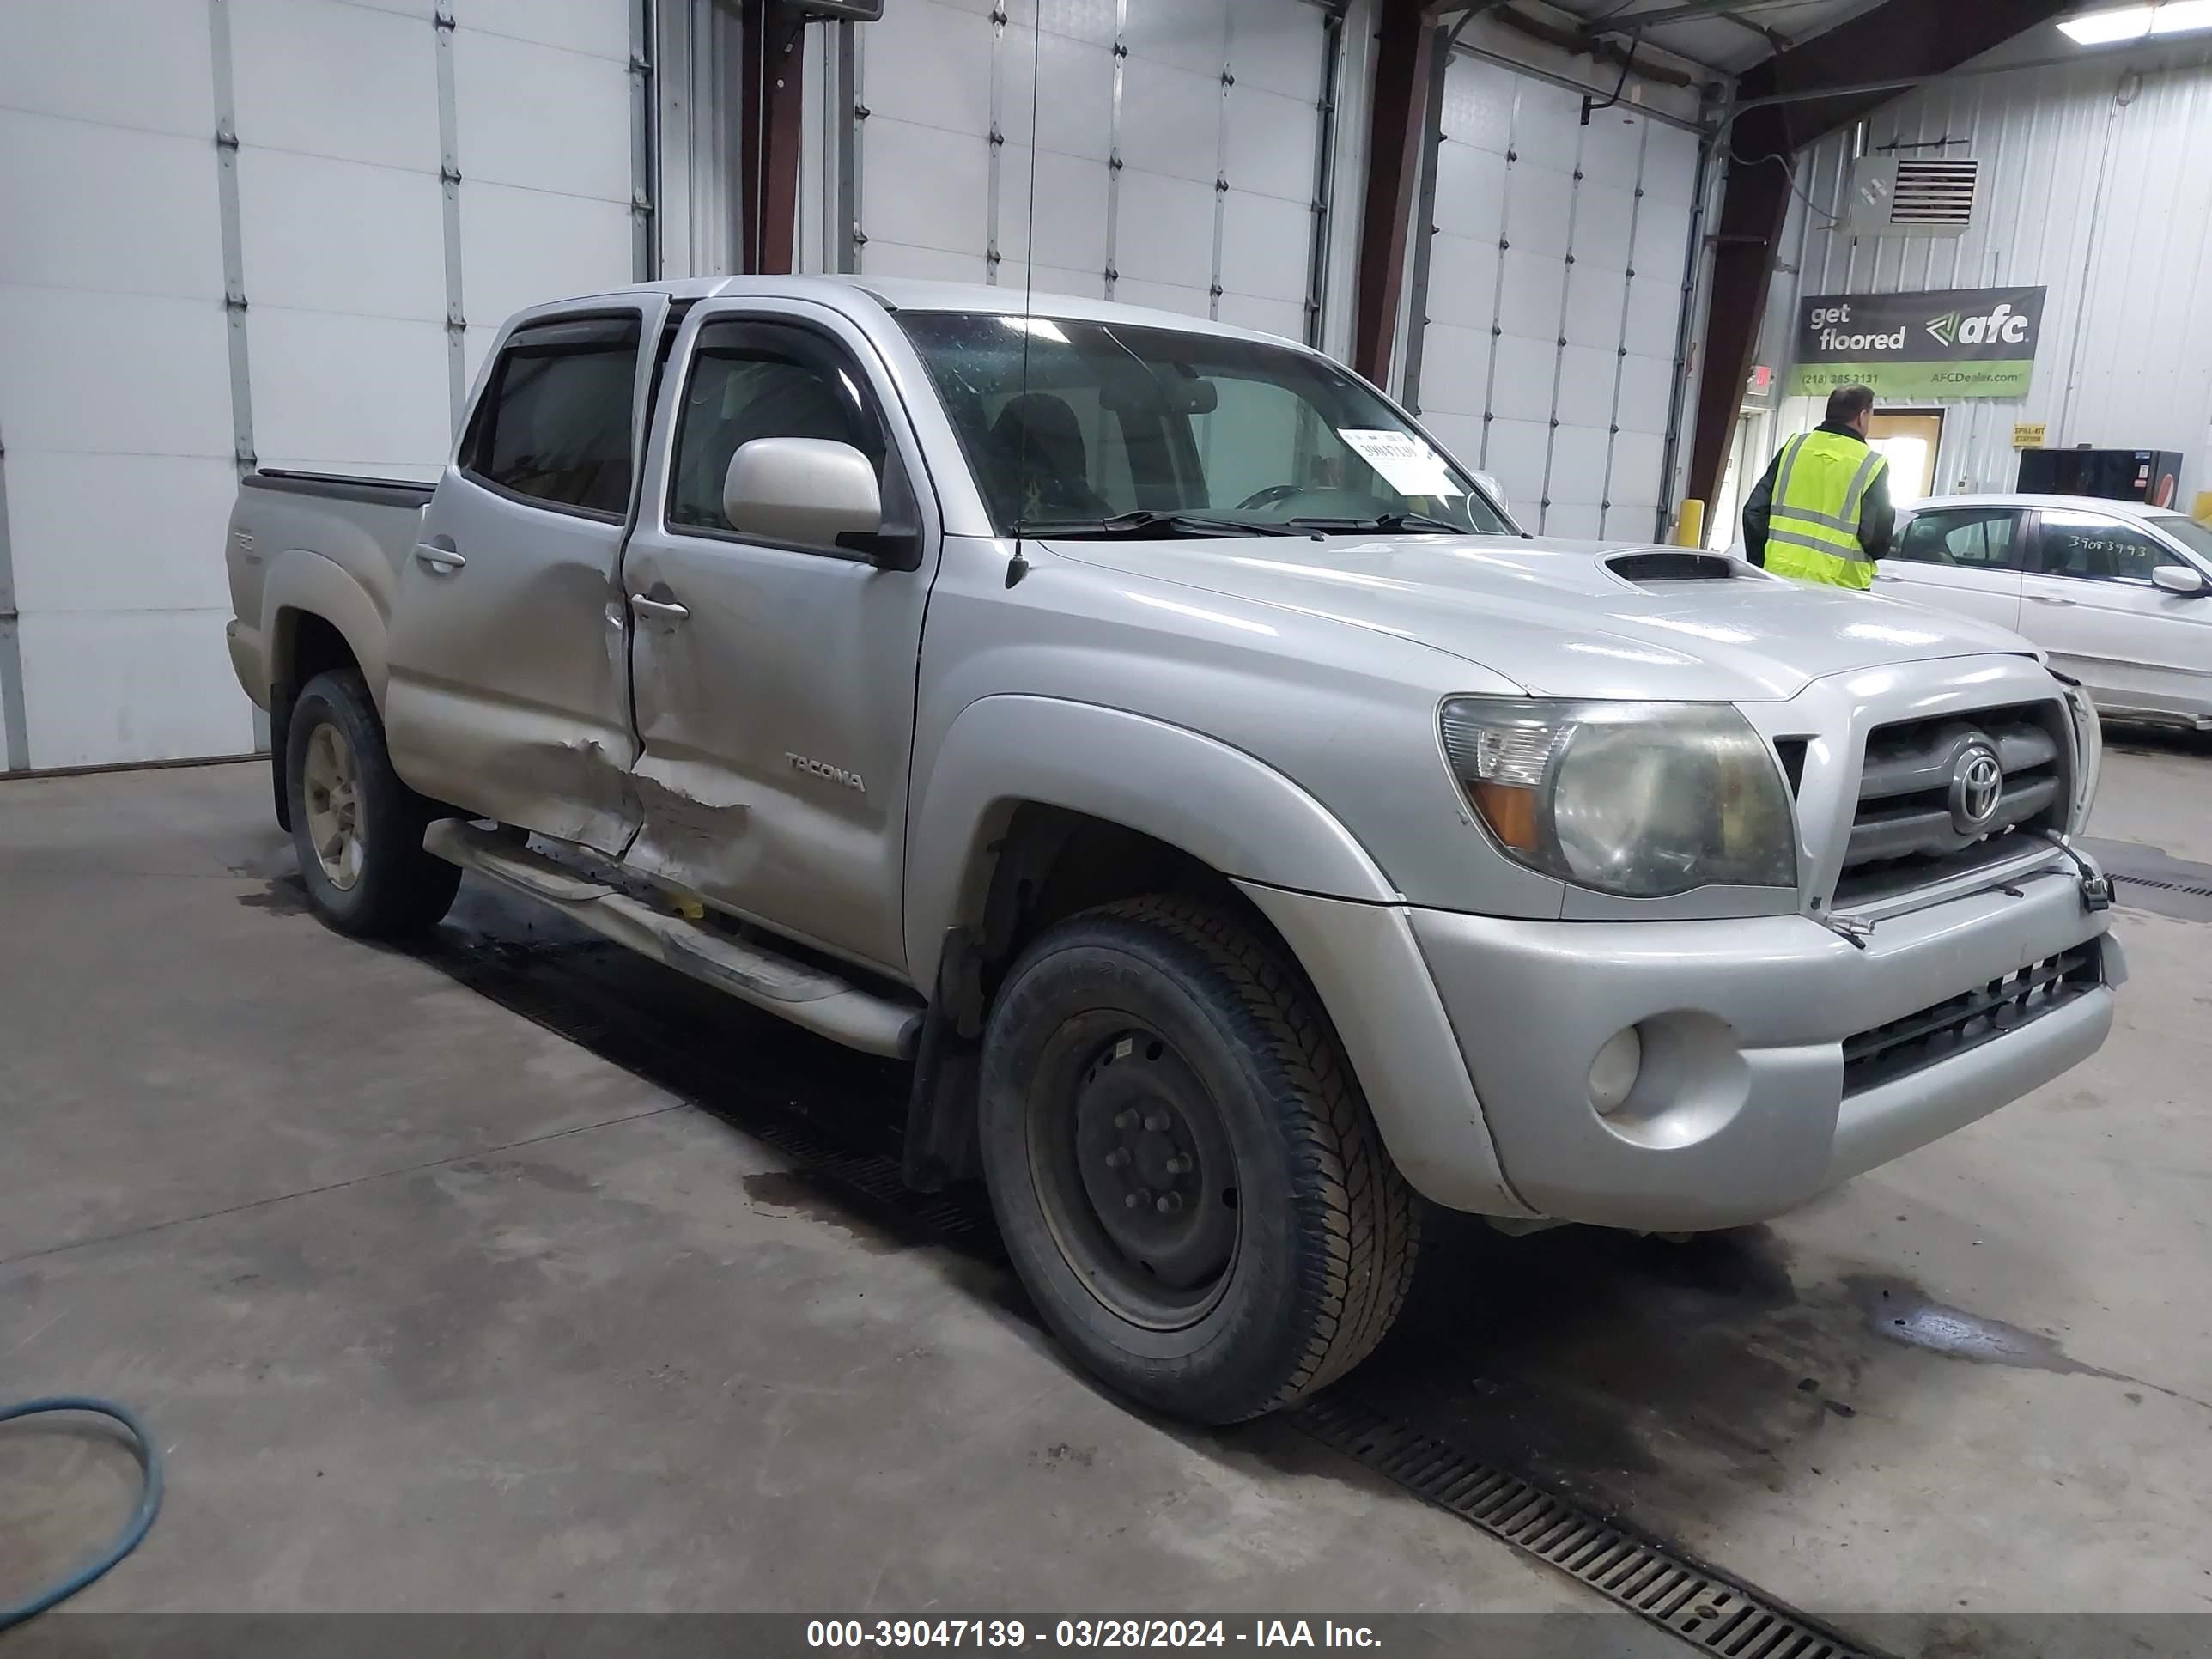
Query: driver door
column 774, row 683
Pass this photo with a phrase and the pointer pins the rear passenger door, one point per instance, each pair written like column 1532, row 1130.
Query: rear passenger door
column 2093, row 605
column 508, row 692
column 1963, row 559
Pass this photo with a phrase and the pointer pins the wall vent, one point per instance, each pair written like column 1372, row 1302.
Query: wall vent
column 1912, row 195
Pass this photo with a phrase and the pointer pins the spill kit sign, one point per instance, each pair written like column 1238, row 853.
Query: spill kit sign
column 1936, row 344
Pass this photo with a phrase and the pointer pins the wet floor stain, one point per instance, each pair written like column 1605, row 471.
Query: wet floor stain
column 799, row 1193
column 1898, row 1311
column 280, row 896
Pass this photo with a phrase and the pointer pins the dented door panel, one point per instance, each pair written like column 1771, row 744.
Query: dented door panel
column 508, row 692
column 773, row 688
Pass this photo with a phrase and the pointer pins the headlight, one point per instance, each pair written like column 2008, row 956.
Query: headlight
column 1639, row 799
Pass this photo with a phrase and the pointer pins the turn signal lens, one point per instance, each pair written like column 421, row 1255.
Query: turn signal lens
column 1510, row 811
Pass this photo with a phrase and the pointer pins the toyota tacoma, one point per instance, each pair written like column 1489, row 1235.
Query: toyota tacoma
column 1147, row 730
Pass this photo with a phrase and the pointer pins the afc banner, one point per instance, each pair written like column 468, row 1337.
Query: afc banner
column 1933, row 345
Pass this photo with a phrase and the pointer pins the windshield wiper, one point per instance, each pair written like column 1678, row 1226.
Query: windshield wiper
column 1143, row 523
column 1384, row 521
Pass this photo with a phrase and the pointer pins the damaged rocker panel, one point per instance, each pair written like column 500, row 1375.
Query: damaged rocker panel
column 804, row 994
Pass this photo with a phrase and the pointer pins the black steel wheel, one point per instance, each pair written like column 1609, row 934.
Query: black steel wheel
column 1134, row 1172
column 1186, row 1176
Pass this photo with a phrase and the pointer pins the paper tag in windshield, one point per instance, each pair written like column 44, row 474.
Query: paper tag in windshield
column 1407, row 463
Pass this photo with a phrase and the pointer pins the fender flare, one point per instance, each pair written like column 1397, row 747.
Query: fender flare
column 300, row 579
column 1215, row 802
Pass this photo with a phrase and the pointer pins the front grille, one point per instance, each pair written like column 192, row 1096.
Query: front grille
column 1969, row 1019
column 1903, row 835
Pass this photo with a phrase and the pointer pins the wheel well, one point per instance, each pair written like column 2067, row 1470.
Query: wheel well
column 1052, row 863
column 316, row 647
column 306, row 645
column 1046, row 864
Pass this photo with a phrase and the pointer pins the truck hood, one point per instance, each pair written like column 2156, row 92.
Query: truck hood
column 1560, row 618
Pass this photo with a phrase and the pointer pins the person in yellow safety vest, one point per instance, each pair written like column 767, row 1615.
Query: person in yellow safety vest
column 1822, row 511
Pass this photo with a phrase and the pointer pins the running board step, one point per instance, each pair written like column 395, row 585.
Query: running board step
column 799, row 992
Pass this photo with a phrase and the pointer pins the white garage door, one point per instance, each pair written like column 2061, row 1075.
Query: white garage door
column 121, row 408
column 346, row 114
column 1175, row 143
column 1554, row 297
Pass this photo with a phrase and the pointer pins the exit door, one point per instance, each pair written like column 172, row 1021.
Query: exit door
column 1909, row 439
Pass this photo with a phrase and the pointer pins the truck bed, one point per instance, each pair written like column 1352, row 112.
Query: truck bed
column 286, row 532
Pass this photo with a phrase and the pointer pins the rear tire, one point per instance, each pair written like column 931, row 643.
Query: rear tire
column 1183, row 1169
column 358, row 829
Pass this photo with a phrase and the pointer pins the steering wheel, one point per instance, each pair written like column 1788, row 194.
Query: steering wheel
column 1270, row 496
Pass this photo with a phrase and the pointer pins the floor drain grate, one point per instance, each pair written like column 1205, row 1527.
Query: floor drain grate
column 2162, row 886
column 1710, row 1611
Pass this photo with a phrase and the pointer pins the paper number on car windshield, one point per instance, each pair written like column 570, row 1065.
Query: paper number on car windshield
column 1407, row 465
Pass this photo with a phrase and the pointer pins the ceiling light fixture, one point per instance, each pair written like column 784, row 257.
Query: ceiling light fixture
column 2105, row 28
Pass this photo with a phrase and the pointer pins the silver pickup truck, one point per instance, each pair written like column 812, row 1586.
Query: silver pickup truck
column 1148, row 730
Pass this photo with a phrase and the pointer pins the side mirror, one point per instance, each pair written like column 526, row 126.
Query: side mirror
column 2179, row 579
column 802, row 492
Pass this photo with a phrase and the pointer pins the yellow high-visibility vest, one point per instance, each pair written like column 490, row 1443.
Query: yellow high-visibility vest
column 1813, row 528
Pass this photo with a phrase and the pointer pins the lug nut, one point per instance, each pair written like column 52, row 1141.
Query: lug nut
column 1169, row 1204
column 1118, row 1158
column 1134, row 1198
column 1179, row 1164
column 1125, row 1120
column 1156, row 1121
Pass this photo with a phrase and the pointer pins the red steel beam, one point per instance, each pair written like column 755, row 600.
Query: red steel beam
column 1898, row 39
column 770, row 61
column 1405, row 46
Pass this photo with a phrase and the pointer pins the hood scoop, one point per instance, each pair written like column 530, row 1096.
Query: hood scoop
column 1674, row 564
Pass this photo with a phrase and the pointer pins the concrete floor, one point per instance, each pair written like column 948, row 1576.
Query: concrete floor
column 434, row 1308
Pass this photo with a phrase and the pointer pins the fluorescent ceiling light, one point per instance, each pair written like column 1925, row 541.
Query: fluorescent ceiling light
column 2104, row 29
column 2101, row 28
column 2180, row 17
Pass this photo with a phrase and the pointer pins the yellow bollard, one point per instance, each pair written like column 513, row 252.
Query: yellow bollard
column 1690, row 525
column 2202, row 510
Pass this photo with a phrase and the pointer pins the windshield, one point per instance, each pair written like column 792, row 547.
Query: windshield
column 2190, row 533
column 1161, row 429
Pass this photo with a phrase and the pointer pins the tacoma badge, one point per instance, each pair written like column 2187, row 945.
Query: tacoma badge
column 823, row 769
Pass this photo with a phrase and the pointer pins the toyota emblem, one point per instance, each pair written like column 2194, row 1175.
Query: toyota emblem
column 1976, row 788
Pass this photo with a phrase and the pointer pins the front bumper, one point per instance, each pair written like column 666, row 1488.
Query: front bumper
column 1740, row 1111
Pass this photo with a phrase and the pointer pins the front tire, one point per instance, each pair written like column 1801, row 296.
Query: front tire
column 1184, row 1171
column 357, row 829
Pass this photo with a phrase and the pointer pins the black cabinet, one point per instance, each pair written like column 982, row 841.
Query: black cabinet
column 2152, row 475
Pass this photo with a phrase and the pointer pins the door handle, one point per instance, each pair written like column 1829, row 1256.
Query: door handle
column 662, row 610
column 2045, row 599
column 437, row 560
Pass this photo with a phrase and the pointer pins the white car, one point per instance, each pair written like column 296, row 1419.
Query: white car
column 2119, row 594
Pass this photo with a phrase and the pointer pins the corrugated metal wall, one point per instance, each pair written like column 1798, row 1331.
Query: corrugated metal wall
column 2096, row 183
